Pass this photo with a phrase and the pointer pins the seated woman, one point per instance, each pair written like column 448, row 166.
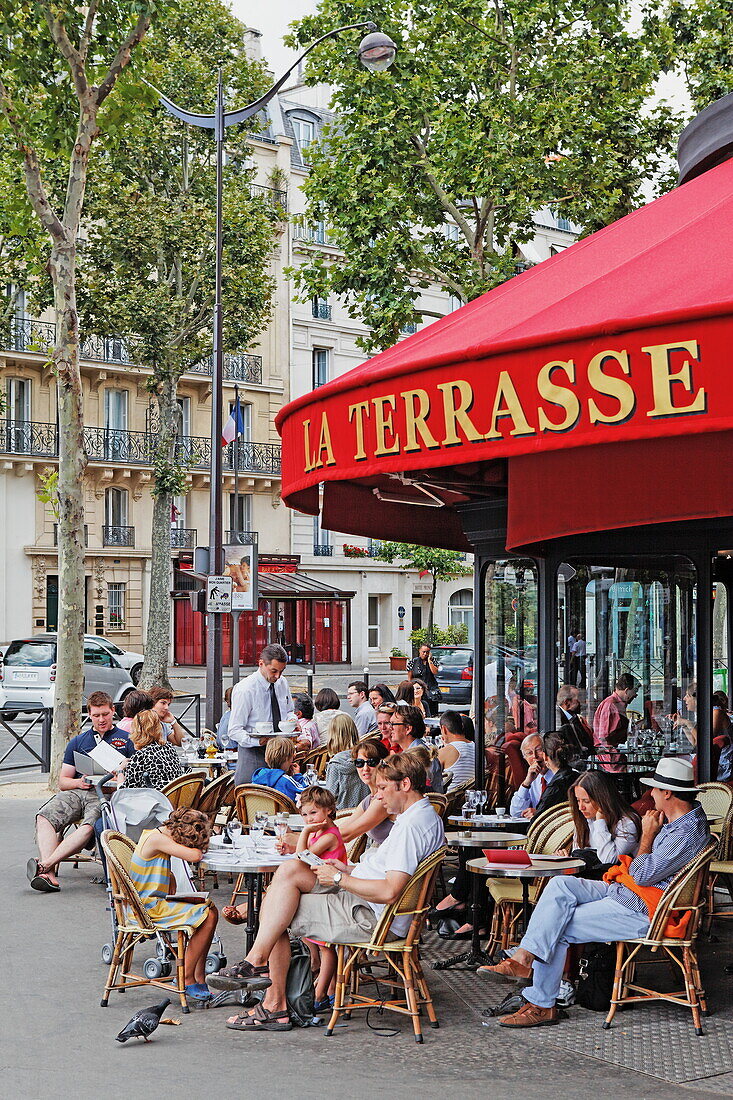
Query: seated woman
column 281, row 772
column 133, row 704
column 328, row 705
column 370, row 816
column 415, row 694
column 379, row 694
column 341, row 777
column 606, row 827
column 154, row 762
column 558, row 752
column 309, row 736
column 184, row 835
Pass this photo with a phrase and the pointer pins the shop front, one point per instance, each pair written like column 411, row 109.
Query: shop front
column 573, row 429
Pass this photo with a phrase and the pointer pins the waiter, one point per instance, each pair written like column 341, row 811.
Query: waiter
column 262, row 697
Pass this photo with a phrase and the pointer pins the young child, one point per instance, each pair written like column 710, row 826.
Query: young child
column 322, row 837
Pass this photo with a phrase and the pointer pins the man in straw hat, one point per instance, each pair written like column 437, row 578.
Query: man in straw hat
column 578, row 910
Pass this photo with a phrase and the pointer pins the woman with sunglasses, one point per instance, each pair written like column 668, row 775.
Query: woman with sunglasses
column 370, row 817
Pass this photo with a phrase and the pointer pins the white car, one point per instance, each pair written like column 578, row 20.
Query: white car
column 28, row 673
column 133, row 662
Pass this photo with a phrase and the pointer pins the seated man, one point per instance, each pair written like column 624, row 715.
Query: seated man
column 407, row 732
column 579, row 910
column 338, row 903
column 76, row 800
column 541, row 773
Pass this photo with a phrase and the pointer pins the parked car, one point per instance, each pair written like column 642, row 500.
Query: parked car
column 133, row 662
column 28, row 674
column 455, row 672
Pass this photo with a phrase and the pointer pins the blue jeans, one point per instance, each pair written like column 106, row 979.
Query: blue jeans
column 572, row 910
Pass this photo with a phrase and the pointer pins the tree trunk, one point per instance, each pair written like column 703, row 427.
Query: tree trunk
column 69, row 683
column 157, row 642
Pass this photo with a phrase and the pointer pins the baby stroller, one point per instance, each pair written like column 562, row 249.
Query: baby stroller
column 131, row 810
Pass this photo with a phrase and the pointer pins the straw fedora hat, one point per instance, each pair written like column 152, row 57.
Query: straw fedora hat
column 672, row 774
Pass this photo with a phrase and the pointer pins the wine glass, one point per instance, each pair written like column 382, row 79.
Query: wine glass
column 257, row 828
column 282, row 823
column 469, row 806
column 234, row 828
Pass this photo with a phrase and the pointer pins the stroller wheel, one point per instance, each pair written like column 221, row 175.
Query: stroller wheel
column 153, row 968
column 107, row 953
column 215, row 962
column 166, row 969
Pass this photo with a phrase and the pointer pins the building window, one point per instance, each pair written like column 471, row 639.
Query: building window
column 115, row 508
column 246, row 412
column 321, row 309
column 18, row 414
column 116, row 610
column 460, row 610
column 321, row 367
column 373, row 622
column 322, row 547
column 563, row 223
column 178, row 513
column 240, row 512
column 304, row 130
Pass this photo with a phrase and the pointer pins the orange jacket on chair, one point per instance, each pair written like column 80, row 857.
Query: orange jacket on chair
column 676, row 926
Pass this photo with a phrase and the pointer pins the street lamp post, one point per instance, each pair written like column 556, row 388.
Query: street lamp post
column 376, row 52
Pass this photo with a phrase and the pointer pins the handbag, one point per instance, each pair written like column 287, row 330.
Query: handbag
column 596, row 968
column 593, row 869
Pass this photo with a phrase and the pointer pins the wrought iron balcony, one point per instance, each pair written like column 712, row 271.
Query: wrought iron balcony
column 37, row 440
column 321, row 310
column 237, row 368
column 322, row 550
column 183, row 538
column 111, row 349
column 315, row 233
column 242, row 538
column 272, row 195
column 118, row 536
column 25, row 334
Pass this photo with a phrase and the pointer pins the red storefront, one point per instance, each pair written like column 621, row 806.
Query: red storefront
column 572, row 428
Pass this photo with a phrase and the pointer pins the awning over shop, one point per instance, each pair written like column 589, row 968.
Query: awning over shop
column 622, row 339
column 296, row 586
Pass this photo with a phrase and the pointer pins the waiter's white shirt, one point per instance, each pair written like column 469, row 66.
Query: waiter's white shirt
column 251, row 704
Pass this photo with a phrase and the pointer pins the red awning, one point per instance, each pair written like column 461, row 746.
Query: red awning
column 622, row 337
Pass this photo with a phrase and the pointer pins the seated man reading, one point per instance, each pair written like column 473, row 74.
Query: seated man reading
column 76, row 800
column 336, row 903
column 579, row 910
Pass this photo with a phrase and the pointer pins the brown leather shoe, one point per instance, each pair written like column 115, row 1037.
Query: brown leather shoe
column 508, row 970
column 530, row 1015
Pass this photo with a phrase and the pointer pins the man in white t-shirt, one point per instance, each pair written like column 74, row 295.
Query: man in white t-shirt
column 340, row 903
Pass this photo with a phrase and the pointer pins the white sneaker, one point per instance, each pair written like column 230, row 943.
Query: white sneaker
column 566, row 996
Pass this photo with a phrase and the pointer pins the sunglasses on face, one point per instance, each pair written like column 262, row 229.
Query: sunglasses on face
column 394, row 724
column 365, row 763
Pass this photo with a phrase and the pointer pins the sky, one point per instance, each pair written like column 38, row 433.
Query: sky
column 273, row 18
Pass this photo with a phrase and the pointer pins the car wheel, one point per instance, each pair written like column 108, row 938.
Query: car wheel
column 135, row 673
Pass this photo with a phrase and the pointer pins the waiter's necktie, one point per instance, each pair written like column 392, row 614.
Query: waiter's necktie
column 274, row 709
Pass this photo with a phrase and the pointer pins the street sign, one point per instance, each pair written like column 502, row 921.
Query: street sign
column 401, row 612
column 218, row 595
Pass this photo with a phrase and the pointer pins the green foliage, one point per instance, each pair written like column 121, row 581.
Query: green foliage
column 699, row 38
column 49, row 490
column 395, row 651
column 489, row 114
column 441, row 564
column 456, row 634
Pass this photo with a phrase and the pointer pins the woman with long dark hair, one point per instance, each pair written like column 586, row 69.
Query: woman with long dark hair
column 379, row 694
column 603, row 821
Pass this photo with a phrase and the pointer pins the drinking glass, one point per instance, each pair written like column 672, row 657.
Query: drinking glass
column 234, row 828
column 469, row 806
column 258, row 826
column 282, row 822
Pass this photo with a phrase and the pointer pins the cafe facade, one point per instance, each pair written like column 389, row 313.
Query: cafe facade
column 572, row 429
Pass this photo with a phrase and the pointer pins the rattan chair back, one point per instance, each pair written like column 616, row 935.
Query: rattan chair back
column 685, row 891
column 118, row 851
column 715, row 798
column 184, row 792
column 413, row 901
column 557, row 833
column 250, row 798
column 316, row 758
column 546, row 824
column 213, row 797
column 439, row 802
column 355, row 850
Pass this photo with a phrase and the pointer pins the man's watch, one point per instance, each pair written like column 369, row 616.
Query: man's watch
column 337, row 878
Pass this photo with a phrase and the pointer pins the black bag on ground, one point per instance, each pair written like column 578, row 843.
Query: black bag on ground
column 300, row 991
column 596, row 967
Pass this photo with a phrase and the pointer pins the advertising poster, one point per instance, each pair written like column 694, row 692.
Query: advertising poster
column 240, row 563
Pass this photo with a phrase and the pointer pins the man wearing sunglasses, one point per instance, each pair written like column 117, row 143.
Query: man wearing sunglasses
column 407, row 732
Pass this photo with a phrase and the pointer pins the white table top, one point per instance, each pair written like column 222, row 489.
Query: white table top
column 492, row 820
column 495, row 839
column 541, row 869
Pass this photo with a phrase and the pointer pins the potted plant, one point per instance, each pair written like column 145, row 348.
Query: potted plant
column 397, row 660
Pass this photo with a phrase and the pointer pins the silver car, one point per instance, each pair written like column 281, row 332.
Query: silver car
column 28, row 673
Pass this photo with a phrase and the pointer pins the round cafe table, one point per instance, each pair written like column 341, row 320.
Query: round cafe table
column 543, row 868
column 476, row 841
column 492, row 822
column 251, row 868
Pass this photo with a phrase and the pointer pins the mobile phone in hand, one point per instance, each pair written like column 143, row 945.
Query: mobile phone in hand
column 311, row 859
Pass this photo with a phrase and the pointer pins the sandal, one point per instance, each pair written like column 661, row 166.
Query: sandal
column 38, row 879
column 261, row 1019
column 233, row 918
column 241, row 975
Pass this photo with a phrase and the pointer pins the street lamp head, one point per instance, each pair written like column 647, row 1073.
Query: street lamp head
column 377, row 51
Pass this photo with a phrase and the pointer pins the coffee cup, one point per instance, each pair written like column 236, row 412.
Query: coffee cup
column 500, row 811
column 287, row 726
column 263, row 728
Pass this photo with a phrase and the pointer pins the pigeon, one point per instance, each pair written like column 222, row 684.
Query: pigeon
column 143, row 1023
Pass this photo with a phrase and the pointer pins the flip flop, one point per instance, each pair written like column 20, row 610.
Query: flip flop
column 38, row 881
column 261, row 1019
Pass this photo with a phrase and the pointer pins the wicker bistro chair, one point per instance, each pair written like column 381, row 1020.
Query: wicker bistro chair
column 318, row 758
column 134, row 926
column 405, row 976
column 186, row 790
column 721, row 868
column 685, row 894
column 439, row 802
column 552, row 830
column 716, row 800
column 213, row 796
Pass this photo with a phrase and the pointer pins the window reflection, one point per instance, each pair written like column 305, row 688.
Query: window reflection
column 510, row 672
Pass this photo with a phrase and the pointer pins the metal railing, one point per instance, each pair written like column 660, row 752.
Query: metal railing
column 137, row 448
column 322, row 550
column 237, row 368
column 272, row 195
column 40, row 723
column 242, row 538
column 321, row 311
column 118, row 536
column 25, row 334
column 313, row 234
column 183, row 538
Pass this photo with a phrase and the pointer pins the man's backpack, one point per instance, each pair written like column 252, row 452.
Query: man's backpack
column 596, row 968
column 300, row 991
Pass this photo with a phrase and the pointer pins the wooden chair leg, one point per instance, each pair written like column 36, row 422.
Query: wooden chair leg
column 698, row 982
column 338, row 1000
column 113, row 968
column 180, row 970
column 425, row 994
column 410, row 995
column 617, row 985
column 691, row 988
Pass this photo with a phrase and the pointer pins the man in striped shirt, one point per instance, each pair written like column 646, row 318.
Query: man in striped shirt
column 577, row 910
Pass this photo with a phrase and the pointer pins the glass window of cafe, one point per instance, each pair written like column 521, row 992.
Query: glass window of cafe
column 510, row 672
column 636, row 619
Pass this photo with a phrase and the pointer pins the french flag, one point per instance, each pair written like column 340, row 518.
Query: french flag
column 234, row 425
